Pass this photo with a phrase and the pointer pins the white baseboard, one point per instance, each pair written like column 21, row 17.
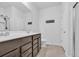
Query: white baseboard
column 59, row 44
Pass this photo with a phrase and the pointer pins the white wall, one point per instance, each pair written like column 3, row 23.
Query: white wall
column 6, row 12
column 51, row 32
column 29, row 18
column 60, row 32
column 67, row 28
column 35, row 17
column 18, row 19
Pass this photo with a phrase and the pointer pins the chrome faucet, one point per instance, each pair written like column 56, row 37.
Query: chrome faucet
column 5, row 23
column 4, row 31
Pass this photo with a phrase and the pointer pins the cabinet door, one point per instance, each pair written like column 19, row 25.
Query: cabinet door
column 27, row 53
column 30, row 55
column 7, row 46
column 35, row 51
column 15, row 53
column 35, row 41
column 26, row 47
column 35, row 46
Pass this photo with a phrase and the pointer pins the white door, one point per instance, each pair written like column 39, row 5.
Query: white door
column 77, row 30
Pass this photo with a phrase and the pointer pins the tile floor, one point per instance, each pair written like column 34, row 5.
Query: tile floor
column 51, row 51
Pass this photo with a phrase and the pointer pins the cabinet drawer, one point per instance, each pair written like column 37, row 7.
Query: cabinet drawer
column 35, row 51
column 27, row 46
column 15, row 53
column 26, row 40
column 26, row 53
column 36, row 36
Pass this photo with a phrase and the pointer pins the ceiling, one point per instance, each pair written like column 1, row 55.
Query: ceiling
column 21, row 6
column 42, row 5
column 15, row 4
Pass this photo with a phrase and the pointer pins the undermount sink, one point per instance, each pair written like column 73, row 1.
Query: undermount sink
column 4, row 33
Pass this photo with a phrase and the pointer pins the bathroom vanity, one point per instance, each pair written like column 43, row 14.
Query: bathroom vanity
column 25, row 46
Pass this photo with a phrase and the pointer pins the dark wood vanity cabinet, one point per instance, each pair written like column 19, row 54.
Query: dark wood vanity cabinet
column 21, row 47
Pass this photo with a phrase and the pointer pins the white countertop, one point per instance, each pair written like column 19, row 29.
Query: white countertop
column 15, row 34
